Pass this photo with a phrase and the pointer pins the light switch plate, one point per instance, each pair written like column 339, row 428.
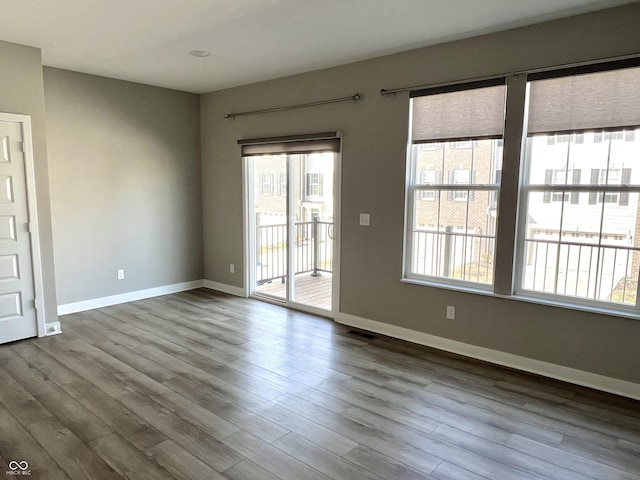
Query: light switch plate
column 365, row 219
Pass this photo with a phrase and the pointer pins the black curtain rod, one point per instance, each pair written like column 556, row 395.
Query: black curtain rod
column 355, row 97
column 580, row 67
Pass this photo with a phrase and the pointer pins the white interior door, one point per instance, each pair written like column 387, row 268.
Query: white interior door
column 17, row 292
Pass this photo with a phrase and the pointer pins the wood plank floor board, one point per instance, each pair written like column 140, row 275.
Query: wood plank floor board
column 125, row 325
column 128, row 462
column 16, row 444
column 193, row 439
column 449, row 471
column 382, row 465
column 312, row 431
column 21, row 403
column 131, row 427
column 271, row 458
column 631, row 447
column 614, row 458
column 626, row 428
column 544, row 416
column 247, row 470
column 430, row 417
column 261, row 388
column 373, row 438
column 206, row 385
column 444, row 448
column 192, row 412
column 181, row 464
column 139, row 363
column 43, row 363
column 67, row 409
column 579, row 463
column 80, row 349
column 72, row 454
column 321, row 459
column 104, row 379
column 530, row 464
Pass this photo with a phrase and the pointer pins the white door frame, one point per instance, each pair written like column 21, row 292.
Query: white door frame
column 34, row 232
column 249, row 242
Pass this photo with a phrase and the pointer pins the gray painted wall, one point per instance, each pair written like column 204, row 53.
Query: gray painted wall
column 21, row 91
column 124, row 161
column 373, row 176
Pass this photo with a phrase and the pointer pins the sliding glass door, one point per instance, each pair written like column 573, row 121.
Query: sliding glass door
column 292, row 231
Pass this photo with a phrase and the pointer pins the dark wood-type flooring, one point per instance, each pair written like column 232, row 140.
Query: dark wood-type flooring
column 201, row 385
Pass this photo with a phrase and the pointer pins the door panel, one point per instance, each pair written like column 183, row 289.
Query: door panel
column 17, row 296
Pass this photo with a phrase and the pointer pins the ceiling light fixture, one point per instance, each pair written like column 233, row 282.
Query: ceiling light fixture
column 199, row 53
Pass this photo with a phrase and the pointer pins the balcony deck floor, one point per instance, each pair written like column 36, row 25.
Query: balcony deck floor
column 309, row 290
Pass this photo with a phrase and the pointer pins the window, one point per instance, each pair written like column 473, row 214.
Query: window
column 575, row 190
column 451, row 238
column 460, row 177
column 266, row 184
column 282, row 184
column 314, row 184
column 591, row 253
column 429, row 177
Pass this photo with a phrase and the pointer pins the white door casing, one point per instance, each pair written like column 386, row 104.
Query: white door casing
column 20, row 272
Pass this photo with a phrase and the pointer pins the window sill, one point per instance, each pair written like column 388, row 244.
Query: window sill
column 525, row 298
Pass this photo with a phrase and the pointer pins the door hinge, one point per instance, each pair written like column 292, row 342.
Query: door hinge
column 28, row 224
column 24, row 147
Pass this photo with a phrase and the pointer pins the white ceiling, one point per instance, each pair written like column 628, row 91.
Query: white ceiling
column 148, row 41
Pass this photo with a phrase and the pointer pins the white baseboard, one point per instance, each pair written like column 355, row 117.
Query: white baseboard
column 224, row 288
column 127, row 297
column 559, row 372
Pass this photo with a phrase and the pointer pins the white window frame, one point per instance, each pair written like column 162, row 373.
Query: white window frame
column 521, row 238
column 416, row 190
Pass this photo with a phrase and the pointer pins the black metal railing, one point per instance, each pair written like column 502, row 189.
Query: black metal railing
column 313, row 250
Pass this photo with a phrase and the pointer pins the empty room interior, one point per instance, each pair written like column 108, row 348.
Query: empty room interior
column 320, row 240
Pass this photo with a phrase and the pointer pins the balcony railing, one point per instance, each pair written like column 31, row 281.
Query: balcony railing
column 460, row 256
column 577, row 269
column 313, row 250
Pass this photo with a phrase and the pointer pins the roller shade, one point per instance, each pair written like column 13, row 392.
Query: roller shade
column 471, row 111
column 590, row 101
column 294, row 145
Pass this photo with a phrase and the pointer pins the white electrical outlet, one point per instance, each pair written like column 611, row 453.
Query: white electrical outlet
column 451, row 312
column 120, row 274
column 232, row 268
column 365, row 219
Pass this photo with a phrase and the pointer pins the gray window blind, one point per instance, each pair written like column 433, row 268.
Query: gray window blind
column 458, row 115
column 609, row 99
column 294, row 145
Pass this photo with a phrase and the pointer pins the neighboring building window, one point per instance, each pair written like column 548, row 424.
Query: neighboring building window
column 451, row 238
column 460, row 177
column 282, row 184
column 590, row 254
column 429, row 177
column 314, row 184
column 266, row 184
column 462, row 144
